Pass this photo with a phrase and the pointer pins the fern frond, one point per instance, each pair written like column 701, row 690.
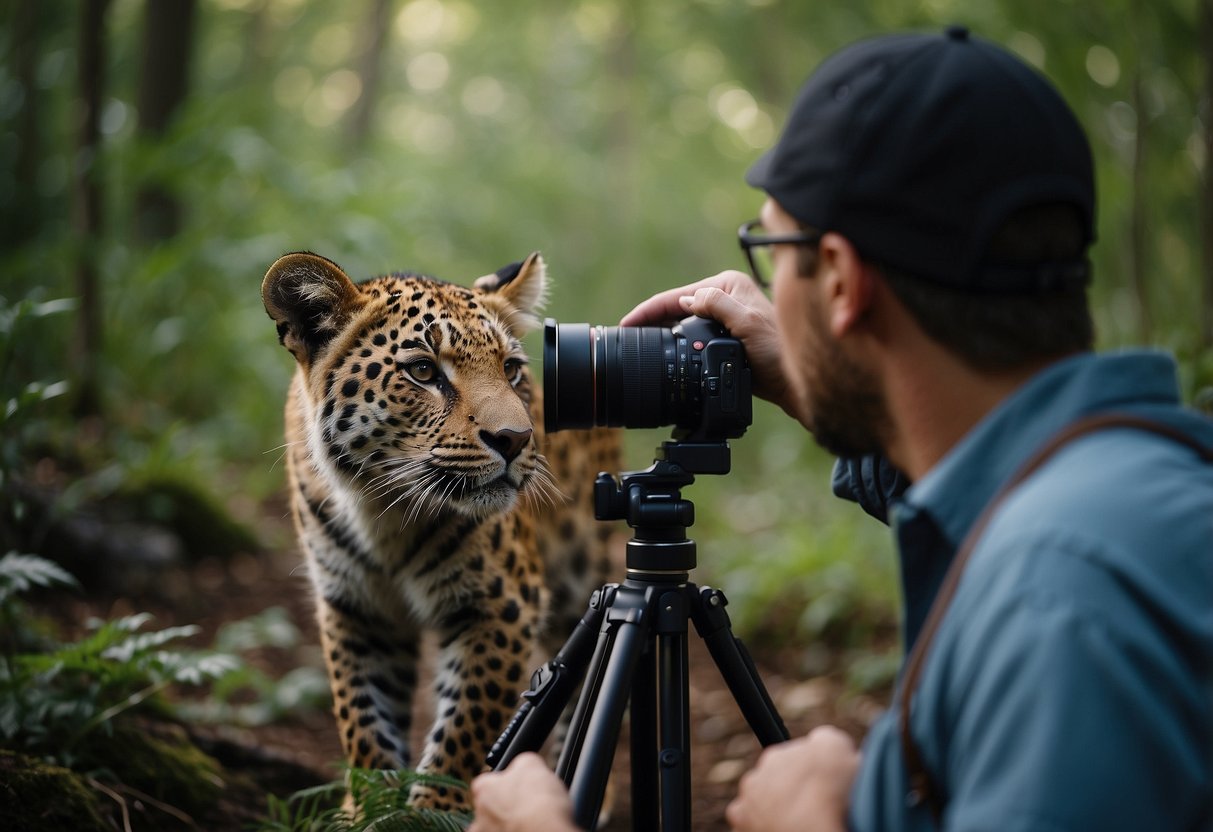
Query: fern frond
column 143, row 643
column 21, row 573
column 381, row 801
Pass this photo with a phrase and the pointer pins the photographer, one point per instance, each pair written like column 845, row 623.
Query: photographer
column 930, row 205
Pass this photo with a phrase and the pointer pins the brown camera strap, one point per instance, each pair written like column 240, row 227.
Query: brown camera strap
column 922, row 786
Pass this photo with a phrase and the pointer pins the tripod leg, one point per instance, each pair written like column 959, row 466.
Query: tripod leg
column 646, row 793
column 575, row 738
column 735, row 664
column 594, row 765
column 675, row 708
column 551, row 689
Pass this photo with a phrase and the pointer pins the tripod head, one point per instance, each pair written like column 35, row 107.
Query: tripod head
column 651, row 502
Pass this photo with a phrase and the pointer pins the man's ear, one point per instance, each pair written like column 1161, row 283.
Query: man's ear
column 310, row 299
column 848, row 284
column 517, row 292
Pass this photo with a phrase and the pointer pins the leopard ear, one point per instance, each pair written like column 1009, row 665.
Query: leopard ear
column 523, row 287
column 310, row 298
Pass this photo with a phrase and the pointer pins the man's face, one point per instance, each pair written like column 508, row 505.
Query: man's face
column 839, row 399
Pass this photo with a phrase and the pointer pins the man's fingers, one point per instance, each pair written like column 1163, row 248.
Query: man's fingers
column 667, row 307
column 831, row 737
column 719, row 305
column 659, row 310
column 734, row 813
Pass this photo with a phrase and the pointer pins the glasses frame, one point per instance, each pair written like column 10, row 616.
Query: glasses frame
column 749, row 240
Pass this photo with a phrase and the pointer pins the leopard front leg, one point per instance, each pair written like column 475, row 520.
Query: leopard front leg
column 482, row 668
column 372, row 666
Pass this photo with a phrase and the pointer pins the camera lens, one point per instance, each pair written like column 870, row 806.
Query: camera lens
column 613, row 376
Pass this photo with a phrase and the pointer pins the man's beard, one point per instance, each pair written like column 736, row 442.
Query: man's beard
column 846, row 408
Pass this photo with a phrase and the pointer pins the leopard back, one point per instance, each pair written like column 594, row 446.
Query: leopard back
column 426, row 497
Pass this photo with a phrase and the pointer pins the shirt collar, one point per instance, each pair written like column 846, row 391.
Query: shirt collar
column 958, row 487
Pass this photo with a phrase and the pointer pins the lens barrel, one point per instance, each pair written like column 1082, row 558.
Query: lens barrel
column 611, row 376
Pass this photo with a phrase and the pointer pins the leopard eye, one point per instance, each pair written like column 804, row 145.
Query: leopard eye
column 423, row 370
column 513, row 369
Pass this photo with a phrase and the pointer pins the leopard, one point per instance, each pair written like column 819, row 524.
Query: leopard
column 429, row 502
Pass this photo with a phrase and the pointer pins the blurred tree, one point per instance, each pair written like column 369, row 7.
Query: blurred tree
column 163, row 86
column 20, row 215
column 1205, row 48
column 87, row 203
column 1139, row 247
column 376, row 29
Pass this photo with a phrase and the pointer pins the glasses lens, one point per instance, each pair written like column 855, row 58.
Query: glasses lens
column 762, row 264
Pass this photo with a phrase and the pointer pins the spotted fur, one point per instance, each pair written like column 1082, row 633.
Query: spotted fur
column 426, row 497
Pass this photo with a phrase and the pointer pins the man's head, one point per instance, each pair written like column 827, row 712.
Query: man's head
column 957, row 177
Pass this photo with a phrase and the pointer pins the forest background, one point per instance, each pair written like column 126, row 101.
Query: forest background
column 156, row 157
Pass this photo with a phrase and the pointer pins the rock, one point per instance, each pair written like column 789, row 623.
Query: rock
column 796, row 701
column 727, row 771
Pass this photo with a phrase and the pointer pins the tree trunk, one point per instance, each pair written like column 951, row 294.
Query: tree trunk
column 1138, row 240
column 167, row 35
column 20, row 213
column 370, row 70
column 256, row 44
column 621, row 62
column 1205, row 26
column 86, row 203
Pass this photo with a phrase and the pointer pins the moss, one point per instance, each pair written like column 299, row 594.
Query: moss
column 36, row 796
column 158, row 759
column 198, row 519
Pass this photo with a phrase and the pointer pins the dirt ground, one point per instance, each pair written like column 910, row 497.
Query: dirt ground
column 723, row 747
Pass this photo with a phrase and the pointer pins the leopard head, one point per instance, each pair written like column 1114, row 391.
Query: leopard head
column 413, row 393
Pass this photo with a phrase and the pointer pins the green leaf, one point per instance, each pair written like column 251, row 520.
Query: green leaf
column 144, row 642
column 20, row 573
column 195, row 670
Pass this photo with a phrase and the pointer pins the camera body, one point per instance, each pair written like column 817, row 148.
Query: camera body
column 693, row 376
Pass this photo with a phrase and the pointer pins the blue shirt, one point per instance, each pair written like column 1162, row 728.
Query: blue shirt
column 1070, row 686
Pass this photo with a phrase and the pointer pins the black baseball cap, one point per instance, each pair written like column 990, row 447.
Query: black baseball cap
column 916, row 147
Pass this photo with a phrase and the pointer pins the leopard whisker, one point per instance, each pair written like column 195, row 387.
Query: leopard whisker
column 421, row 500
column 545, row 488
column 411, row 490
column 285, row 446
column 402, row 473
column 436, row 505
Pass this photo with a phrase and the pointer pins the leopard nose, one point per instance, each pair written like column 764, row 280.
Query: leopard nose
column 508, row 443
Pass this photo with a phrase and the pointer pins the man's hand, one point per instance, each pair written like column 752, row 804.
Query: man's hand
column 526, row 797
column 732, row 299
column 801, row 784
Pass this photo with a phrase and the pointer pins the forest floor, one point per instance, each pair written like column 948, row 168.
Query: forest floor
column 212, row 592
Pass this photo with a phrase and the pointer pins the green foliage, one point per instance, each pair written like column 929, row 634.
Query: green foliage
column 56, row 699
column 52, row 702
column 18, row 322
column 248, row 696
column 23, row 391
column 21, row 573
column 381, row 805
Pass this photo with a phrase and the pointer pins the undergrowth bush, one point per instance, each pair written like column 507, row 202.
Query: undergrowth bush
column 54, row 697
column 381, row 799
column 95, row 706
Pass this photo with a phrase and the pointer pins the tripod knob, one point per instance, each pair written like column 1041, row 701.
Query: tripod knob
column 645, row 513
column 609, row 502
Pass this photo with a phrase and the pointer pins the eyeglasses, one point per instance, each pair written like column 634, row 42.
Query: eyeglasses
column 750, row 237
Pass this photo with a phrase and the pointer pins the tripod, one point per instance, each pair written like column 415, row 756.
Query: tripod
column 632, row 644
